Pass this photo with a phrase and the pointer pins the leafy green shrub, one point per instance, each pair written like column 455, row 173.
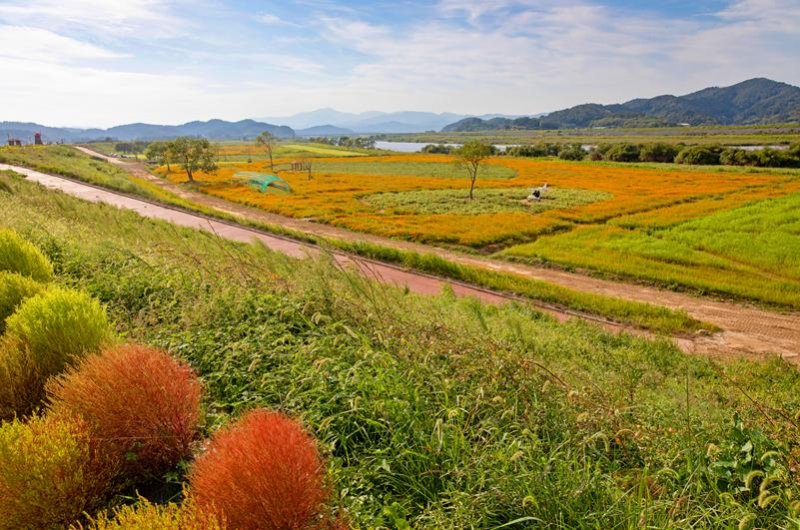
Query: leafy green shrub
column 536, row 150
column 21, row 256
column 698, row 155
column 145, row 515
column 737, row 157
column 623, row 152
column 438, row 149
column 658, row 152
column 141, row 403
column 49, row 473
column 14, row 289
column 59, row 326
column 572, row 152
column 21, row 383
column 598, row 152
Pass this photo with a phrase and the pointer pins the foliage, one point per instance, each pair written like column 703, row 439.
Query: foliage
column 161, row 153
column 58, row 327
column 141, row 403
column 698, row 155
column 266, row 139
column 49, row 473
column 622, row 153
column 21, row 256
column 534, row 150
column 433, row 412
column 21, row 381
column 193, row 154
column 145, row 515
column 438, row 149
column 469, row 157
column 572, row 152
column 493, row 200
column 262, row 473
column 658, row 152
column 14, row 289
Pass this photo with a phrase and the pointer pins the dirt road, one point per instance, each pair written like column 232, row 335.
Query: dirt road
column 747, row 330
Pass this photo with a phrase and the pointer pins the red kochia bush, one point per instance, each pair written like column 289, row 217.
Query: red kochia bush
column 142, row 405
column 264, row 472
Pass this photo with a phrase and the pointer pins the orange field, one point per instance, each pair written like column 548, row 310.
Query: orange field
column 638, row 195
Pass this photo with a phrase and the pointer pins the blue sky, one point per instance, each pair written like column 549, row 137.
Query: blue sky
column 105, row 62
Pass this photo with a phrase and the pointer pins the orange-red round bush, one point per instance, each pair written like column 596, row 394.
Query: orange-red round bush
column 264, row 472
column 142, row 405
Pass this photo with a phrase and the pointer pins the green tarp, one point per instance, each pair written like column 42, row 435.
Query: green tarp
column 263, row 181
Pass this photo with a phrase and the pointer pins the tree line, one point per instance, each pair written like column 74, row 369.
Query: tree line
column 665, row 153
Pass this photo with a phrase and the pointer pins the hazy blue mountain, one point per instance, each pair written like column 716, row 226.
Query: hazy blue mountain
column 755, row 101
column 372, row 122
column 212, row 129
column 323, row 130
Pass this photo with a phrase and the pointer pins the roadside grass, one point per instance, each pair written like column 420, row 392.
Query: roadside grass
column 653, row 318
column 440, row 412
column 746, row 253
column 66, row 161
column 487, row 200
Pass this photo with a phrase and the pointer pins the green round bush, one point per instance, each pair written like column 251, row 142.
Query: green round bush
column 21, row 256
column 58, row 327
column 14, row 289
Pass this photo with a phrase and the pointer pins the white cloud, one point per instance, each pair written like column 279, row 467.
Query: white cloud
column 101, row 15
column 42, row 45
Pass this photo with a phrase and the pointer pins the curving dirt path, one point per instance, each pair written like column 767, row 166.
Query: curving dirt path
column 747, row 330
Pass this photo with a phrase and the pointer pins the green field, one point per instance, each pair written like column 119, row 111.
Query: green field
column 751, row 252
column 727, row 135
column 488, row 200
column 437, row 412
column 410, row 168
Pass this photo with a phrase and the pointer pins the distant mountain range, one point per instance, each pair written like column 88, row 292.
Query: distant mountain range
column 373, row 122
column 756, row 101
column 213, row 129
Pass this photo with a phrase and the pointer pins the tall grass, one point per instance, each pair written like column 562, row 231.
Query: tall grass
column 441, row 412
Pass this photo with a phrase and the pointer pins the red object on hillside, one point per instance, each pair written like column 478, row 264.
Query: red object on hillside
column 37, row 138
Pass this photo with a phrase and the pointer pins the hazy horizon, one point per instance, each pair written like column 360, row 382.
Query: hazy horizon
column 100, row 63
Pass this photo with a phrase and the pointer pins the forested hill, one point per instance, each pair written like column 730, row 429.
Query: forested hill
column 212, row 129
column 755, row 101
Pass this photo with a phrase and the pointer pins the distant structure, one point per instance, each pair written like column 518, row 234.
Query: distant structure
column 37, row 138
column 14, row 142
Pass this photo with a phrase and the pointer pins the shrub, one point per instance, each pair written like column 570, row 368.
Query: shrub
column 147, row 516
column 264, row 472
column 143, row 404
column 698, row 155
column 15, row 288
column 528, row 150
column 737, row 157
column 20, row 381
column 21, row 256
column 59, row 326
column 623, row 153
column 658, row 152
column 598, row 152
column 441, row 149
column 572, row 152
column 49, row 473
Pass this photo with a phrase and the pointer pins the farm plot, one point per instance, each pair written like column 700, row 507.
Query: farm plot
column 407, row 196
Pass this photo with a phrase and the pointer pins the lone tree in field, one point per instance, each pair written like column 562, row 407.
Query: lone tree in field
column 193, row 154
column 160, row 153
column 266, row 139
column 470, row 156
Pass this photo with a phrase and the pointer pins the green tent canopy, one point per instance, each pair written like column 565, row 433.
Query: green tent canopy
column 263, row 181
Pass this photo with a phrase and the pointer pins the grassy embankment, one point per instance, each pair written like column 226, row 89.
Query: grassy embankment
column 439, row 412
column 654, row 318
column 779, row 134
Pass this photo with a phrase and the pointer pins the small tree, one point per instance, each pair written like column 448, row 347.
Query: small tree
column 193, row 154
column 470, row 156
column 266, row 139
column 160, row 153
